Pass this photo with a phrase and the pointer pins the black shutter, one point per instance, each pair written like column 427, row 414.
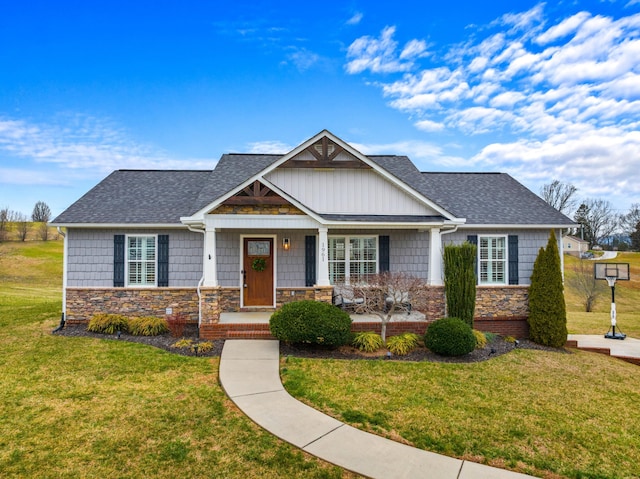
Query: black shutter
column 163, row 260
column 383, row 244
column 310, row 260
column 513, row 259
column 473, row 239
column 118, row 261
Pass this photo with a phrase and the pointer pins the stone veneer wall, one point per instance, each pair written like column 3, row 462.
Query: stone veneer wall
column 83, row 303
column 502, row 310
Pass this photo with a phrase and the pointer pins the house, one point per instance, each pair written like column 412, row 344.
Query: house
column 574, row 246
column 261, row 230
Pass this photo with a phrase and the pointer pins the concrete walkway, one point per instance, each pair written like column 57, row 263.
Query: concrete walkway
column 250, row 375
column 627, row 349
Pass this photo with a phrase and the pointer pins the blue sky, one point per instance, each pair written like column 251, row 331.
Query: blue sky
column 542, row 91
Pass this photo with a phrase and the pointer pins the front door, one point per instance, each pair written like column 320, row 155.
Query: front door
column 258, row 272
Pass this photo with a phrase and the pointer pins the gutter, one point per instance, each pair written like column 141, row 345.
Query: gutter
column 64, row 281
column 201, row 282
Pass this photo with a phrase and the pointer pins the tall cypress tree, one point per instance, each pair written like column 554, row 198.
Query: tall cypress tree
column 547, row 309
column 460, row 281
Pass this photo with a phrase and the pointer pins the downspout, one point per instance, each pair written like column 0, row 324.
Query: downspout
column 64, row 280
column 201, row 282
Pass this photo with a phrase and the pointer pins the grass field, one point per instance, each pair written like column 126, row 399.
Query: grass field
column 627, row 301
column 84, row 408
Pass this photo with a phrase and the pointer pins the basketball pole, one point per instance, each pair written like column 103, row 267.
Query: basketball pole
column 611, row 334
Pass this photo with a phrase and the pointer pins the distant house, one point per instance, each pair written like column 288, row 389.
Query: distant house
column 261, row 230
column 574, row 246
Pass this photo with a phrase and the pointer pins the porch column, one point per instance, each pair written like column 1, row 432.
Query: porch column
column 210, row 260
column 323, row 257
column 435, row 257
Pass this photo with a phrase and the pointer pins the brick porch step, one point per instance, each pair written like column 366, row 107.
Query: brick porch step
column 249, row 335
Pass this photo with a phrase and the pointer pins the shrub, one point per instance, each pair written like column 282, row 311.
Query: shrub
column 460, row 281
column 182, row 344
column 481, row 339
column 450, row 337
column 203, row 347
column 367, row 341
column 311, row 322
column 176, row 324
column 547, row 309
column 108, row 323
column 148, row 326
column 403, row 344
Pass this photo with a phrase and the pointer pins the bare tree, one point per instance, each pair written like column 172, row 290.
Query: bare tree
column 7, row 217
column 43, row 231
column 584, row 283
column 560, row 195
column 597, row 218
column 22, row 226
column 386, row 294
column 629, row 221
column 41, row 213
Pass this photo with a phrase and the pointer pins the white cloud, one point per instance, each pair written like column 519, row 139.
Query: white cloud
column 379, row 55
column 355, row 19
column 269, row 147
column 416, row 150
column 77, row 145
column 303, row 59
column 562, row 96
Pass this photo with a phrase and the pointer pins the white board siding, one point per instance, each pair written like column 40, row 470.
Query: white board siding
column 346, row 191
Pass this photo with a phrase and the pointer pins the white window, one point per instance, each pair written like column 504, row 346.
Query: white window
column 141, row 261
column 352, row 257
column 492, row 252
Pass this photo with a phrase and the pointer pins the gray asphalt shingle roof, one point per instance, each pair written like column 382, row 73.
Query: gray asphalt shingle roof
column 163, row 196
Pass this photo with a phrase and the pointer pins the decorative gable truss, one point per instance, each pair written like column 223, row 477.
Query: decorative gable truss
column 256, row 194
column 325, row 154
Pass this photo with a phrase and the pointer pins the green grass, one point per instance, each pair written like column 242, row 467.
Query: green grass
column 627, row 302
column 542, row 413
column 85, row 408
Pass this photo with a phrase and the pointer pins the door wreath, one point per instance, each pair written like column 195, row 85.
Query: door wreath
column 259, row 264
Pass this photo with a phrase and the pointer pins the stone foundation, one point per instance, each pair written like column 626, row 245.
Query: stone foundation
column 83, row 303
column 501, row 310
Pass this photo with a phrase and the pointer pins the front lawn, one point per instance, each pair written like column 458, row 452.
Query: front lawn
column 543, row 413
column 84, row 408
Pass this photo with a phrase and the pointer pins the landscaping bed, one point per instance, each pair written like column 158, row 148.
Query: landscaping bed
column 497, row 347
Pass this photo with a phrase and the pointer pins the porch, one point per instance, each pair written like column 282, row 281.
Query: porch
column 255, row 325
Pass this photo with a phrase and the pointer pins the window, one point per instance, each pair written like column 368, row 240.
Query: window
column 352, row 257
column 492, row 251
column 141, row 260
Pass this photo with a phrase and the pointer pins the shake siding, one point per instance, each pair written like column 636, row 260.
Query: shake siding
column 228, row 251
column 90, row 261
column 409, row 252
column 529, row 243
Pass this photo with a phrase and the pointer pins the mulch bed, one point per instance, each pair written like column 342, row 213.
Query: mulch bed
column 495, row 348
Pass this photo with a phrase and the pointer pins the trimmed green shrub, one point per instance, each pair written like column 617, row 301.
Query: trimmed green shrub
column 481, row 339
column 311, row 322
column 108, row 323
column 403, row 344
column 460, row 281
column 148, row 326
column 547, row 309
column 450, row 337
column 367, row 341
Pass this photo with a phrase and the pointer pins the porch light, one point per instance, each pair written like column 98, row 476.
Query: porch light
column 286, row 244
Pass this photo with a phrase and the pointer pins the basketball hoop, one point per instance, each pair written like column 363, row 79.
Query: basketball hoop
column 612, row 272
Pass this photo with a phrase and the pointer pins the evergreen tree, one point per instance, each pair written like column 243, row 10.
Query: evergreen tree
column 460, row 281
column 547, row 309
column 635, row 238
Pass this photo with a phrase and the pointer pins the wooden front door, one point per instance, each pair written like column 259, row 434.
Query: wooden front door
column 257, row 287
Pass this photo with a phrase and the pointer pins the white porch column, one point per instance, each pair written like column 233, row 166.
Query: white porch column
column 210, row 260
column 323, row 257
column 435, row 257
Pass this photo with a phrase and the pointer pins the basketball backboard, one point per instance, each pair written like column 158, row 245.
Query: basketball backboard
column 619, row 271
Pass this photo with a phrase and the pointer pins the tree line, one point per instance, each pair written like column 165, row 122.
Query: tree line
column 597, row 218
column 20, row 223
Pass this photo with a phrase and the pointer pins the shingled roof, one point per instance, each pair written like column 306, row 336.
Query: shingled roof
column 140, row 197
